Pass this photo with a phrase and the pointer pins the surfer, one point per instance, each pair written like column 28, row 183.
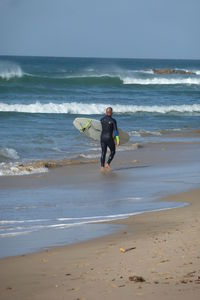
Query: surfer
column 109, row 125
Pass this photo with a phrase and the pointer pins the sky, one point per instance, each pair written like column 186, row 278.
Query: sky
column 101, row 28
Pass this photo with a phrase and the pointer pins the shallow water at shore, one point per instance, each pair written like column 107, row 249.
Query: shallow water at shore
column 68, row 204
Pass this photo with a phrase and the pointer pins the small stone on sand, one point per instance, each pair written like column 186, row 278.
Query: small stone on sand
column 136, row 278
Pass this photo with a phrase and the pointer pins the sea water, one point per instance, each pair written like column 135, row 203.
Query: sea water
column 39, row 99
column 41, row 96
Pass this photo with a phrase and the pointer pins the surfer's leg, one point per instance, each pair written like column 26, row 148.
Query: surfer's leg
column 111, row 146
column 103, row 153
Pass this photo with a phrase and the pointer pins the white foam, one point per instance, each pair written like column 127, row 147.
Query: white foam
column 162, row 81
column 13, row 234
column 150, row 71
column 144, row 132
column 3, row 222
column 9, row 153
column 95, row 108
column 128, row 147
column 90, row 156
column 81, row 221
column 100, row 218
column 10, row 70
column 197, row 72
column 91, row 76
column 11, row 169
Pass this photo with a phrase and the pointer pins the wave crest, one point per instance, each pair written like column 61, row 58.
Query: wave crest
column 8, row 153
column 10, row 70
column 79, row 108
column 162, row 81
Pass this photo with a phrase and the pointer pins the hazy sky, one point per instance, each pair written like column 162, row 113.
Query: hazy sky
column 101, row 28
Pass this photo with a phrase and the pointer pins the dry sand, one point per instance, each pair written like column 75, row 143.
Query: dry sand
column 166, row 254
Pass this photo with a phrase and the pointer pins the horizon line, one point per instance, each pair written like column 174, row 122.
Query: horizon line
column 96, row 57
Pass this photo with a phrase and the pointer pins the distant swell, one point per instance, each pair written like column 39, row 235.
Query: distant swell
column 95, row 109
column 95, row 79
column 11, row 71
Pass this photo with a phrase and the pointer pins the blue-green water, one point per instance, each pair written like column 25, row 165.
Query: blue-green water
column 40, row 97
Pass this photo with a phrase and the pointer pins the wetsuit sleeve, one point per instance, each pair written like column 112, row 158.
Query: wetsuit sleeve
column 116, row 131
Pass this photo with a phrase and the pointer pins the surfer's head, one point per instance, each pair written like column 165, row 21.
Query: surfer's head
column 109, row 111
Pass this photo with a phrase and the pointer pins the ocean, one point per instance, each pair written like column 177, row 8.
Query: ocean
column 41, row 96
column 39, row 99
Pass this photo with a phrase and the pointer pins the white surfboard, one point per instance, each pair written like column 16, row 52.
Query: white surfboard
column 92, row 128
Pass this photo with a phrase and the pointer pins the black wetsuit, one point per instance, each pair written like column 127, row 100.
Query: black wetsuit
column 109, row 125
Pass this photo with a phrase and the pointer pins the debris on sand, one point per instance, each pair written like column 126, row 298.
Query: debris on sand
column 135, row 161
column 136, row 278
column 197, row 280
column 184, row 281
column 123, row 250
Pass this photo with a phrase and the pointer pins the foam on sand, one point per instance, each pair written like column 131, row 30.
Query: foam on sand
column 11, row 169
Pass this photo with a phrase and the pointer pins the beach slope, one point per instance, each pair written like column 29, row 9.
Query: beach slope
column 164, row 258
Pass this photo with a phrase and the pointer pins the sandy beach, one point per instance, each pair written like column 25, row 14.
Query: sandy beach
column 164, row 253
column 151, row 255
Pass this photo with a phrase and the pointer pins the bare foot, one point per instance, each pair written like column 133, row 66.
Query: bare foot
column 108, row 167
column 102, row 169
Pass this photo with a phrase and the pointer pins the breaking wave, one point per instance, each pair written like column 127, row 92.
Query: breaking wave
column 95, row 109
column 8, row 154
column 10, row 70
column 163, row 81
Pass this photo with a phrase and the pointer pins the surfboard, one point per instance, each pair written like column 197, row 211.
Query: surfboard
column 92, row 129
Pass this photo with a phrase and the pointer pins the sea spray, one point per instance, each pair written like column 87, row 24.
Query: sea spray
column 9, row 70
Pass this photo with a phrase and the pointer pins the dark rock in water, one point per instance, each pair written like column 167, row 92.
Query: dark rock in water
column 172, row 71
column 136, row 278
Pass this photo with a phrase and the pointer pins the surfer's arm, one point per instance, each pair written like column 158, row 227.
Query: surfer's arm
column 116, row 132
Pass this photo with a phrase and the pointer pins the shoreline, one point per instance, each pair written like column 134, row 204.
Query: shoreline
column 42, row 210
column 166, row 247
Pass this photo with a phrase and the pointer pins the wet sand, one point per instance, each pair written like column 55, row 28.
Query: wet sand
column 165, row 254
column 163, row 257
